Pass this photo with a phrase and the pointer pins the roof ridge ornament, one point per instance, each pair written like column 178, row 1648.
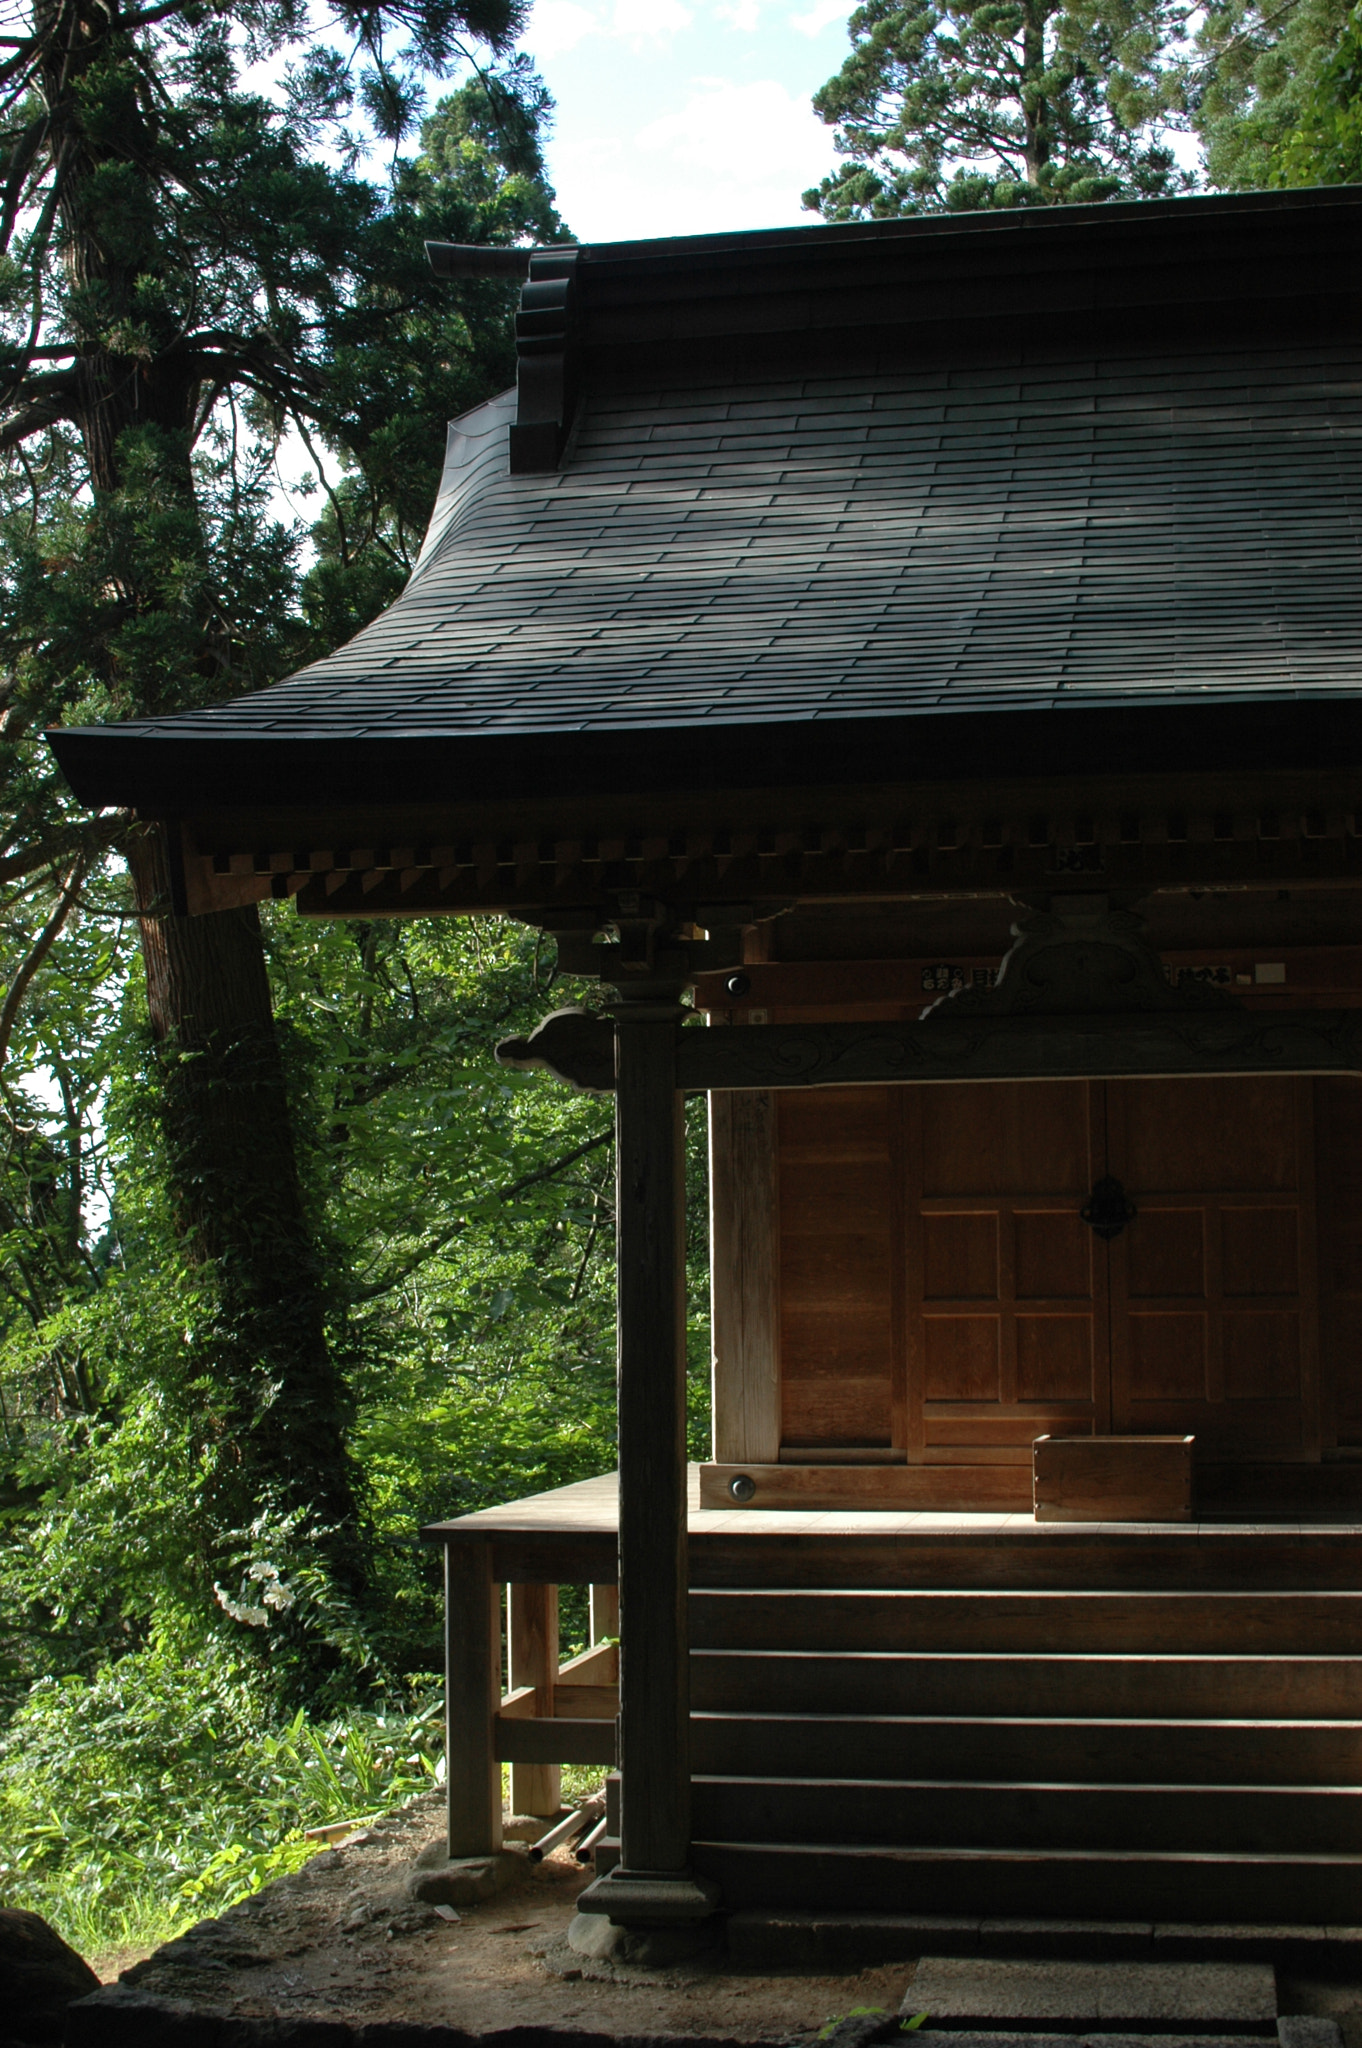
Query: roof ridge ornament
column 546, row 382
column 455, row 260
column 1080, row 958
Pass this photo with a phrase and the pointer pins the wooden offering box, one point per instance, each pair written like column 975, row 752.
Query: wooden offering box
column 1112, row 1478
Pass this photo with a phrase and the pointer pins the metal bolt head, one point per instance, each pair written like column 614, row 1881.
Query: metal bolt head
column 741, row 1487
column 738, row 984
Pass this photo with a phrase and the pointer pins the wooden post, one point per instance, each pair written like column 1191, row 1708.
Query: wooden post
column 604, row 1612
column 653, row 1880
column 532, row 1641
column 472, row 1694
column 744, row 1237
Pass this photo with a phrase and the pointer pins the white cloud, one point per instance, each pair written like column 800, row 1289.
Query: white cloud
column 730, row 156
column 558, row 25
column 822, row 15
column 650, row 20
column 724, row 122
column 744, row 15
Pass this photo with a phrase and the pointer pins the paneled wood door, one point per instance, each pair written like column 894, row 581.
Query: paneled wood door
column 840, row 1205
column 940, row 1298
column 1006, row 1287
column 1214, row 1284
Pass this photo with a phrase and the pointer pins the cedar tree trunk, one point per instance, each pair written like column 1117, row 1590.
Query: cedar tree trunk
column 281, row 1406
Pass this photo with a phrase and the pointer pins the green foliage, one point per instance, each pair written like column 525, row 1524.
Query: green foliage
column 1326, row 147
column 465, row 1215
column 1279, row 93
column 194, row 273
column 869, row 2012
column 393, row 382
column 195, row 277
column 980, row 104
column 145, row 1797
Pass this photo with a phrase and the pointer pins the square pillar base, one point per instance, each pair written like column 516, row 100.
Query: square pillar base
column 650, row 1898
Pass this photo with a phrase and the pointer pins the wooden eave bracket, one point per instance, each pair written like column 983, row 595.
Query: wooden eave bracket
column 573, row 1045
column 1081, row 995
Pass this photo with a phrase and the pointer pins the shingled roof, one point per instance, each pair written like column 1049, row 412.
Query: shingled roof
column 1098, row 460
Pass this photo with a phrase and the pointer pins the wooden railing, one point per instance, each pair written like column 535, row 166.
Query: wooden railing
column 551, row 1713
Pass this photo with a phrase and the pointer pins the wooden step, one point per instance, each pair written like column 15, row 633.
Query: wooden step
column 1151, row 1623
column 1025, row 1554
column 1115, row 1687
column 1205, row 1752
column 1296, row 1820
column 1038, row 1884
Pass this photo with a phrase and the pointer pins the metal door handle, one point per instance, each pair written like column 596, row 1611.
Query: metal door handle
column 1108, row 1208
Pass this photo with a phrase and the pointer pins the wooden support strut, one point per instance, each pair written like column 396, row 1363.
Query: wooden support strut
column 653, row 1881
column 472, row 1693
column 532, row 1658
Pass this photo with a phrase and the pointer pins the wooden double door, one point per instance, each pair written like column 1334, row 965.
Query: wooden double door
column 943, row 1300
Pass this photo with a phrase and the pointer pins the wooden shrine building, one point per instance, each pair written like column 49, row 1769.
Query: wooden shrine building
column 917, row 669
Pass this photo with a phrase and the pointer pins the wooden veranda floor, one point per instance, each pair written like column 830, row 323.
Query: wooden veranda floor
column 568, row 1536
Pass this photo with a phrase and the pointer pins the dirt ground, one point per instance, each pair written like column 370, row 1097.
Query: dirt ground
column 343, row 1940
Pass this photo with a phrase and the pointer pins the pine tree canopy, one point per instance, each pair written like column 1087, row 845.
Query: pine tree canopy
column 193, row 266
column 212, row 236
column 1001, row 103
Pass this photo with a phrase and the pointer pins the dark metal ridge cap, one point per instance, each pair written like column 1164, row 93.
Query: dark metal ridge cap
column 454, row 260
column 1193, row 208
column 163, row 774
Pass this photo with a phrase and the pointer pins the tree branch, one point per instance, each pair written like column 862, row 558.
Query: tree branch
column 444, row 1237
column 93, row 835
column 38, row 952
column 34, row 419
column 530, row 1180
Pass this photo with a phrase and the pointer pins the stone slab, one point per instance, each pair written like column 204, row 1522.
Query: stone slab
column 1197, row 1939
column 464, row 1881
column 1033, row 1939
column 1308, row 2030
column 1012, row 1993
column 929, row 2038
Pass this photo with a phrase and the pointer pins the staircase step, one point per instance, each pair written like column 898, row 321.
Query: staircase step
column 1064, row 1884
column 832, row 1941
column 1031, row 1754
column 1129, row 1751
column 1067, row 1686
column 1280, row 1624
column 1296, row 1819
column 1229, row 1557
